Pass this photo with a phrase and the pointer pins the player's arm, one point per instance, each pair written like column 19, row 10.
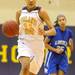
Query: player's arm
column 49, row 47
column 44, row 16
column 18, row 12
column 71, row 44
column 17, row 19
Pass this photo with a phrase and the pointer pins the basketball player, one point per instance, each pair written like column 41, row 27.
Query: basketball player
column 30, row 40
column 68, row 51
column 56, row 58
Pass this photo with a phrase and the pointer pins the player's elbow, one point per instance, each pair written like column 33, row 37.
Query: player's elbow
column 54, row 31
column 46, row 45
column 72, row 48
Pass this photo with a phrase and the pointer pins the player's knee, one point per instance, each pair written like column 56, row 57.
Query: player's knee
column 32, row 73
column 25, row 62
column 25, row 65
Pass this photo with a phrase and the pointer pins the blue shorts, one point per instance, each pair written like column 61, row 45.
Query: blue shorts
column 55, row 62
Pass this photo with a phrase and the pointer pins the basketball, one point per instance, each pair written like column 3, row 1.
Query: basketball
column 10, row 28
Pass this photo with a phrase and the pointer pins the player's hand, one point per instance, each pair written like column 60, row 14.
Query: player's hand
column 59, row 51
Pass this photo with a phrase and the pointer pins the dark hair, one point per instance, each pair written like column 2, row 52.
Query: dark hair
column 61, row 15
column 56, row 24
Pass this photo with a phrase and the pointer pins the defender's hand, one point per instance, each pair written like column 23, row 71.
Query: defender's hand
column 59, row 51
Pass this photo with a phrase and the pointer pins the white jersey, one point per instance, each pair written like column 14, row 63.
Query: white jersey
column 30, row 43
column 30, row 20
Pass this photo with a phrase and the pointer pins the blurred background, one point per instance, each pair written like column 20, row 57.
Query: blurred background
column 53, row 7
column 8, row 46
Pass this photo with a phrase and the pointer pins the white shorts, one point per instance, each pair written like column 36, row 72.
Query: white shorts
column 33, row 49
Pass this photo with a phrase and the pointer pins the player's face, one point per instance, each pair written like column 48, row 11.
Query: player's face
column 62, row 21
column 30, row 3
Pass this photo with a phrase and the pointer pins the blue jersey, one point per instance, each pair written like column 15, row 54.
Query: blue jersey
column 61, row 39
column 55, row 61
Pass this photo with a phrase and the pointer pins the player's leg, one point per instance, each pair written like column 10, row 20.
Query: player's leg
column 63, row 66
column 35, row 66
column 25, row 56
column 37, row 61
column 50, row 67
column 60, row 72
column 25, row 65
column 32, row 73
column 53, row 74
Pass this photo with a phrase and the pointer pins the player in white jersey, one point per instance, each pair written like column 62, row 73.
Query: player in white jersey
column 30, row 40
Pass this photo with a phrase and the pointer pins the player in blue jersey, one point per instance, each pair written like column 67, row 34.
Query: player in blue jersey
column 56, row 58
